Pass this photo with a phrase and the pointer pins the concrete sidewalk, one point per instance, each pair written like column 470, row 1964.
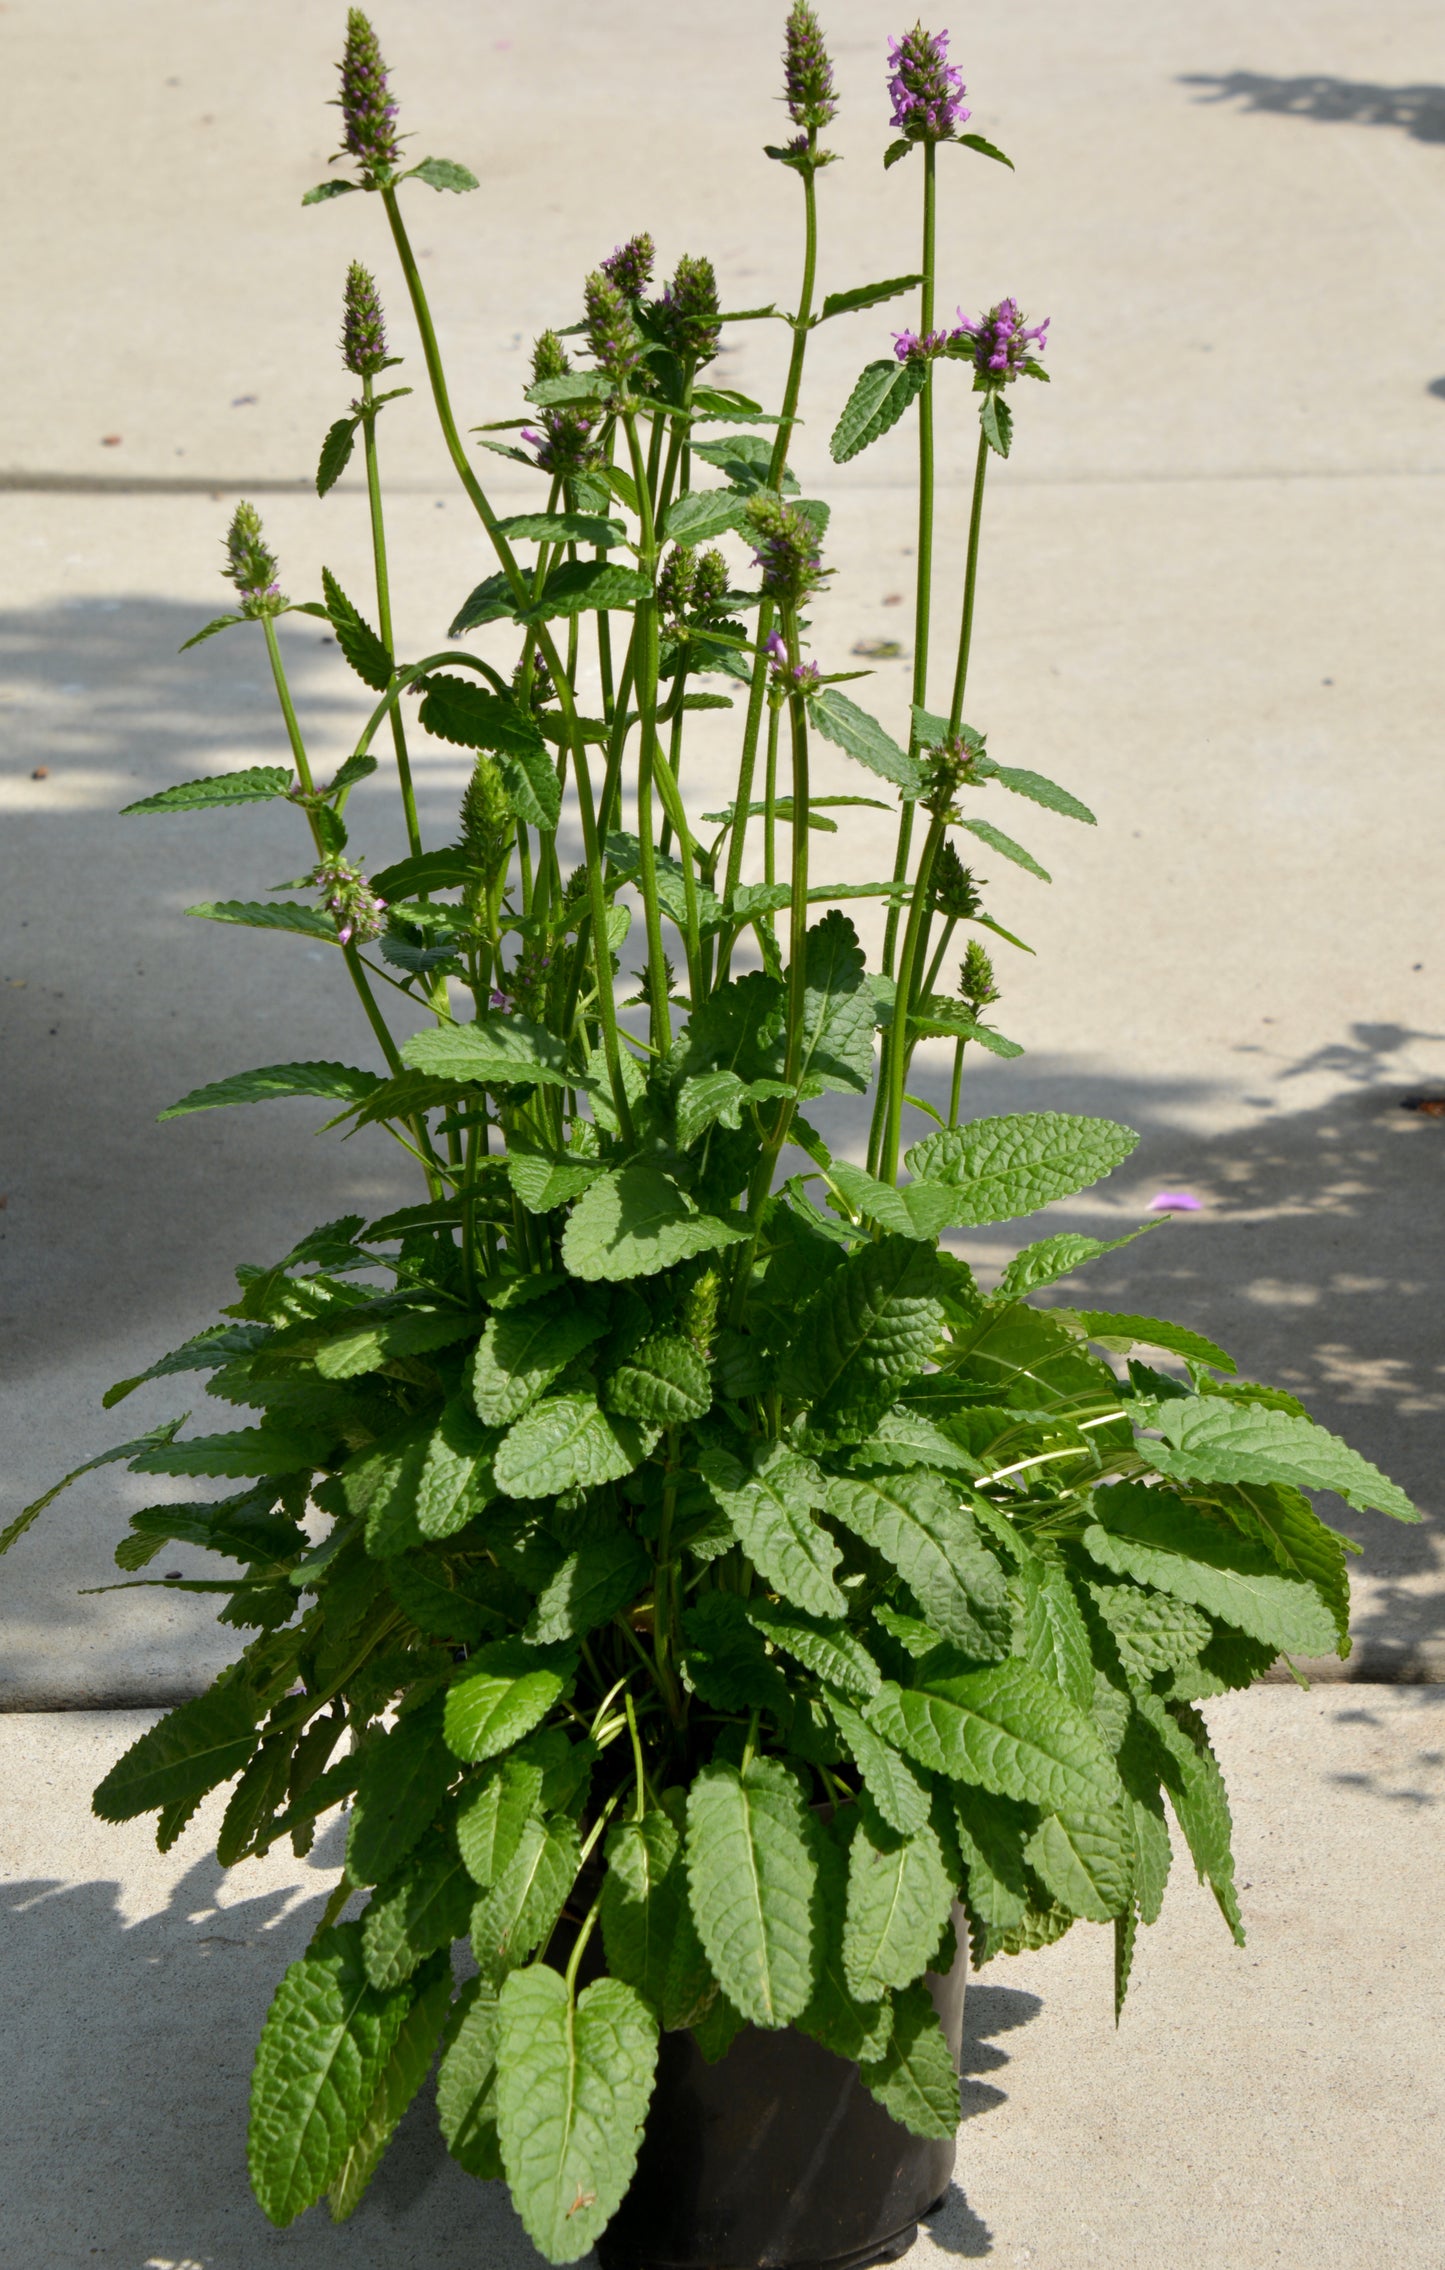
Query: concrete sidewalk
column 1275, row 2109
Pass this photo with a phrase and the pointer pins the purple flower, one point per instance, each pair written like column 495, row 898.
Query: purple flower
column 803, row 675
column 787, row 549
column 807, row 71
column 251, row 564
column 496, row 1000
column 611, row 333
column 629, row 266
column 926, row 89
column 918, row 347
column 368, row 112
column 563, row 445
column 358, row 912
column 363, row 327
column 686, row 316
column 1000, row 343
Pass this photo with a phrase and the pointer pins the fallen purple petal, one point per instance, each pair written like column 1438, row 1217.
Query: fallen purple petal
column 1175, row 1202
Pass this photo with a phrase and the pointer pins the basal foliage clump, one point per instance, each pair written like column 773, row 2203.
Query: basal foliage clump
column 691, row 1579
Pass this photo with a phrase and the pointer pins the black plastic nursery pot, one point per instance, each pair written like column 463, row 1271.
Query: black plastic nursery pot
column 777, row 2158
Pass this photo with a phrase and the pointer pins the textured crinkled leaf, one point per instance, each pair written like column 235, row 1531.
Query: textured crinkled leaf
column 562, row 528
column 1197, row 1794
column 495, row 1049
column 863, row 738
column 916, row 2079
column 1085, row 1861
column 467, row 2083
column 403, row 1777
column 772, row 1505
column 1011, row 1166
column 1055, row 1257
column 592, row 1584
column 249, row 784
column 323, row 2050
column 503, row 1693
column 544, row 1180
column 1151, row 1332
column 1005, row 1728
column 725, row 1660
column 881, row 394
column 193, row 1748
column 380, row 1486
column 916, row 1522
column 889, row 1779
column 494, row 1811
column 456, row 1475
column 1207, row 1439
column 578, row 585
column 1005, row 846
column 867, row 295
column 338, row 1083
column 354, row 635
column 831, row 1650
column 751, row 1871
column 270, row 914
column 899, row 1897
column 523, row 1350
column 1302, row 1544
column 405, row 2070
column 635, row 1222
column 1055, row 1636
column 701, row 514
column 573, row 2085
column 1154, row 1537
column 836, row 1046
column 1152, row 1631
column 243, row 1451
column 647, row 1924
column 870, row 1328
column 426, row 1907
column 1040, row 790
column 566, row 1442
column 991, row 1835
column 520, row 1910
column 443, row 173
column 835, row 2017
column 664, row 1382
column 335, row 453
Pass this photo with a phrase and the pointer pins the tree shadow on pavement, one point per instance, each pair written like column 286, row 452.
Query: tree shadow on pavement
column 1418, row 111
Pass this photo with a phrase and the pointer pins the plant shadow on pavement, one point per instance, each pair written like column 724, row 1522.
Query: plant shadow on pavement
column 131, row 2046
column 1418, row 110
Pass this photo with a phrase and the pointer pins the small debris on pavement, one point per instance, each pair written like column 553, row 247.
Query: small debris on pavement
column 1433, row 1107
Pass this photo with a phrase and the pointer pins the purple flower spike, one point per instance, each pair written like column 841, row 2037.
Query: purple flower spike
column 363, row 327
column 787, row 549
column 686, row 316
column 807, row 72
column 805, row 676
column 926, row 89
column 611, row 332
column 368, row 112
column 919, row 346
column 1000, row 343
column 359, row 914
column 630, row 265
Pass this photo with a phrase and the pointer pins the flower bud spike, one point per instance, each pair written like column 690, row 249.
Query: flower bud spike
column 629, row 266
column 487, row 817
column 807, row 71
column 611, row 334
column 549, row 358
column 358, row 913
column 368, row 112
column 709, row 583
column 927, row 91
column 787, row 549
column 251, row 564
column 363, row 327
column 975, row 978
column 686, row 315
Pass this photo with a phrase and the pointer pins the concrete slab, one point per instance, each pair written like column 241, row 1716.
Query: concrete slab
column 1212, row 580
column 1278, row 2107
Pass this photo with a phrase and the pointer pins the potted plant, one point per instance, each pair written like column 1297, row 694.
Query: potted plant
column 699, row 1588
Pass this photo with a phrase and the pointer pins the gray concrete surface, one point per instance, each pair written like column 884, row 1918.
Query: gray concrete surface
column 1278, row 2108
column 1210, row 603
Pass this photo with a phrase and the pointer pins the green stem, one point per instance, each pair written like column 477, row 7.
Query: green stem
column 288, row 712
column 970, row 579
column 896, row 1059
column 383, row 612
column 954, row 1092
column 646, row 639
column 770, row 795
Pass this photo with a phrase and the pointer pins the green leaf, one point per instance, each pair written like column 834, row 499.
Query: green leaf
column 867, row 295
column 879, row 398
column 835, row 2017
column 494, row 1050
column 1154, row 1537
column 828, row 1647
column 427, row 1907
column 267, row 914
column 593, row 1583
column 573, row 2084
column 635, row 1222
column 647, row 1926
column 870, row 1327
column 1197, row 1794
column 751, row 1872
column 252, row 784
column 1055, row 1636
column 997, row 420
column 245, row 1450
column 1005, row 846
column 836, row 1042
column 744, row 460
column 335, row 453
column 725, row 1660
column 1302, row 1544
column 456, row 710
column 494, row 1811
column 193, row 1749
column 562, row 528
column 520, row 1910
column 369, row 1343
column 578, row 585
column 772, row 1506
column 328, row 189
column 406, row 2069
column 1085, row 1861
column 917, row 1523
column 503, row 1693
column 1006, row 1167
column 701, row 514
column 492, row 601
column 443, row 173
column 33, row 1511
column 664, row 1382
column 1055, row 1257
column 895, row 151
column 545, row 1180
column 899, row 1897
column 323, row 2050
column 355, row 637
column 566, row 1442
column 1209, row 1440
column 1151, row 1631
column 861, row 737
column 404, row 1776
column 217, row 623
column 991, row 1833
column 467, row 2083
column 1149, row 1331
column 456, row 1476
column 523, row 1350
column 920, row 1210
column 888, row 1778
column 916, row 2079
column 1005, row 1728
column 1039, row 791
column 985, row 149
column 339, row 1083
column 380, row 1484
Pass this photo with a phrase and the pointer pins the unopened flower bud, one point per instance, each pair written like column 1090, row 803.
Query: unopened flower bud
column 787, row 549
column 1000, row 344
column 486, row 817
column 367, row 110
column 946, row 770
column 358, row 913
column 975, row 978
column 926, row 90
column 676, row 582
column 955, row 888
column 549, row 358
column 611, row 334
column 629, row 266
column 251, row 564
column 807, row 71
column 700, row 1309
column 363, row 327
column 539, row 687
column 709, row 583
column 563, row 442
column 687, row 313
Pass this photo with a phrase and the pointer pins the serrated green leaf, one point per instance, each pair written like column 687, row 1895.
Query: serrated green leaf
column 567, row 1442
column 365, row 1346
column 403, row 1777
column 194, row 1748
column 895, row 151
column 831, row 1649
column 751, row 1872
column 888, row 1778
column 871, row 1327
column 32, row 1512
column 772, row 1504
column 456, row 1476
column 266, row 914
column 328, row 189
column 1197, row 1794
column 523, row 1350
column 467, row 2083
column 916, row 2079
column 579, row 585
column 881, row 394
column 1085, row 1861
column 494, row 1811
column 544, row 1180
column 1302, row 1544
column 663, row 1382
column 725, row 1660
column 1055, row 1636
column 1211, row 1440
column 209, row 630
column 1054, row 1257
column 501, row 1696
column 1005, row 846
column 562, row 528
column 841, row 721
column 354, row 635
column 835, row 2017
column 245, row 1450
column 323, row 2051
column 426, row 1907
column 997, row 421
column 592, row 1584
column 635, row 1222
column 443, row 173
column 916, row 1522
column 405, row 2070
column 701, row 514
column 519, row 1911
column 867, row 295
column 1041, row 791
column 1005, row 1167
column 380, row 1486
column 1154, row 1537
column 495, row 1050
column 1152, row 1332
column 836, row 1042
column 251, row 784
column 991, row 1834
column 335, row 453
column 899, row 1897
column 1151, row 1631
column 572, row 2091
column 1004, row 1728
column 647, row 1926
